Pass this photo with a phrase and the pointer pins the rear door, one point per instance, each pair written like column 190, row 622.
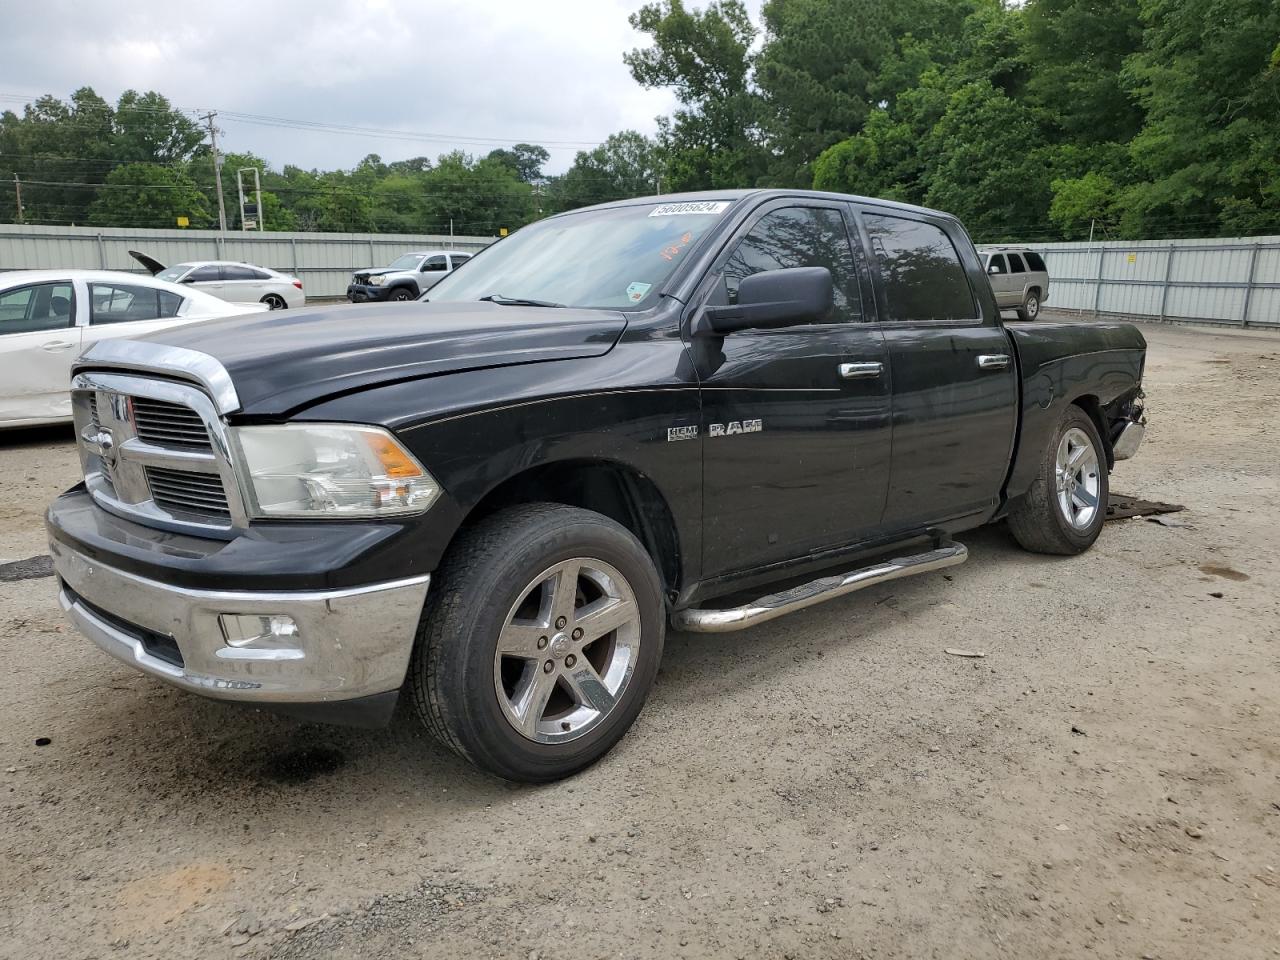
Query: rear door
column 954, row 380
column 243, row 284
column 1017, row 279
column 795, row 424
column 38, row 341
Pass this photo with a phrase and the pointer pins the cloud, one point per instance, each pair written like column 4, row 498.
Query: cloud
column 503, row 69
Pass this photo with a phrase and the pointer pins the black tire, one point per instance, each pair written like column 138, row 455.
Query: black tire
column 1030, row 308
column 482, row 579
column 275, row 302
column 402, row 294
column 1038, row 520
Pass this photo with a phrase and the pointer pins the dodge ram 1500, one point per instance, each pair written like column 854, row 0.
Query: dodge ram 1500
column 706, row 410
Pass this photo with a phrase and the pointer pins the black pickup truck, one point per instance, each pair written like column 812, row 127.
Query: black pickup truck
column 708, row 410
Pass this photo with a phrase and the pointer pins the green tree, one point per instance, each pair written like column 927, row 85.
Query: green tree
column 1209, row 81
column 59, row 150
column 627, row 164
column 816, row 71
column 146, row 195
column 1082, row 203
column 149, row 130
column 715, row 138
column 1077, row 49
column 525, row 160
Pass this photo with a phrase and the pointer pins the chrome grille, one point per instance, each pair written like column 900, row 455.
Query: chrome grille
column 156, row 451
column 169, row 424
column 182, row 491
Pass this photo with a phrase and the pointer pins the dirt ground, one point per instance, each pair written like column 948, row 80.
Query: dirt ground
column 1105, row 783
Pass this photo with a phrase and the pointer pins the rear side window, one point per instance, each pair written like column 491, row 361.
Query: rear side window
column 128, row 303
column 1035, row 262
column 458, row 260
column 238, row 272
column 923, row 278
column 1015, row 264
column 799, row 237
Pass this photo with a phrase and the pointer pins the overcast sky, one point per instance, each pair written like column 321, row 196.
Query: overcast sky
column 541, row 72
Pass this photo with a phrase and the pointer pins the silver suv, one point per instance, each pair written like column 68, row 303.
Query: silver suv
column 1018, row 279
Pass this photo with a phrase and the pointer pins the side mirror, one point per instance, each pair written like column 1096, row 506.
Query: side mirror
column 994, row 268
column 188, row 279
column 774, row 298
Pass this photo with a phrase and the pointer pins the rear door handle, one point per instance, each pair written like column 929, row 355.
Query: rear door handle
column 55, row 345
column 861, row 371
column 993, row 361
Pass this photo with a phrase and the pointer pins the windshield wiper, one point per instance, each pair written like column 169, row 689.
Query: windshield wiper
column 518, row 301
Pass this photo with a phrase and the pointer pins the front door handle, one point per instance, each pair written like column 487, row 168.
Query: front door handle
column 55, row 345
column 993, row 361
column 861, row 371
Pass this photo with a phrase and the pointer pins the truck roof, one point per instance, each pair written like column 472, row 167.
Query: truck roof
column 764, row 193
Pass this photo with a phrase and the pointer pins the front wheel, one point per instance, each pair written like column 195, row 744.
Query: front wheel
column 540, row 642
column 1066, row 505
column 402, row 293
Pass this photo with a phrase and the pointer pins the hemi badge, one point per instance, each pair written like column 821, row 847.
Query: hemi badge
column 682, row 433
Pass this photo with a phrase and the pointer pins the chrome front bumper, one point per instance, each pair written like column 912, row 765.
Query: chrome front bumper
column 348, row 644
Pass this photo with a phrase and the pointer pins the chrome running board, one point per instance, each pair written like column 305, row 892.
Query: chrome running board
column 816, row 591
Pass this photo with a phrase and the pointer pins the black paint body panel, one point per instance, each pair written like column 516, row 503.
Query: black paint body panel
column 483, row 393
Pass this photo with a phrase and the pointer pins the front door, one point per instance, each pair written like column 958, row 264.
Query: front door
column 955, row 383
column 795, row 421
column 38, row 342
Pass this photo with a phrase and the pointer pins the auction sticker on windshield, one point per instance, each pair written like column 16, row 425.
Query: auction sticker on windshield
column 636, row 291
column 690, row 207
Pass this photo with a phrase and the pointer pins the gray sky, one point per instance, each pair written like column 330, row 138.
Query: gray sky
column 542, row 72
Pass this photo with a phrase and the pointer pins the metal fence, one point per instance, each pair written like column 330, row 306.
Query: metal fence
column 322, row 261
column 1235, row 282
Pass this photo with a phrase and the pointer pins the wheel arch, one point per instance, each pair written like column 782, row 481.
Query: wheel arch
column 1091, row 406
column 608, row 487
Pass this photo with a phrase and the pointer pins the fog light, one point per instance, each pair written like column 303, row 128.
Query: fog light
column 258, row 630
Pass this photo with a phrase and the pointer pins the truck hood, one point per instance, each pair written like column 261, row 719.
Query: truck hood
column 286, row 359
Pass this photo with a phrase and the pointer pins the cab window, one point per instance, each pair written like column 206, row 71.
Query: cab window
column 435, row 265
column 921, row 270
column 799, row 237
column 40, row 306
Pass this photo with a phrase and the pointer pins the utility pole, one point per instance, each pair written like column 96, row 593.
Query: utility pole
column 217, row 169
column 17, row 192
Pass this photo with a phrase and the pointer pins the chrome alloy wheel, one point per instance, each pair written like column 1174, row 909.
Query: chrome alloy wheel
column 567, row 650
column 1078, row 484
column 1033, row 306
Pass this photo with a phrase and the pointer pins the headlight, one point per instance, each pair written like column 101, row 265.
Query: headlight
column 331, row 469
column 378, row 279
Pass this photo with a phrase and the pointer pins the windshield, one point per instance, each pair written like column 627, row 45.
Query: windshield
column 617, row 257
column 173, row 273
column 409, row 261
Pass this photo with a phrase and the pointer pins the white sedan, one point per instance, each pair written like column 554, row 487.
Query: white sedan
column 228, row 280
column 50, row 317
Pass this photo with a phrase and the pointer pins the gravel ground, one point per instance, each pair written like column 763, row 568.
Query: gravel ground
column 1105, row 783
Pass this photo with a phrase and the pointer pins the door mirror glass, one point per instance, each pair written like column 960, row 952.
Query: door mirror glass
column 994, row 268
column 775, row 298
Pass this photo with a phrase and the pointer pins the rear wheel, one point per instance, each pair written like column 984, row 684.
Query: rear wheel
column 402, row 293
column 541, row 640
column 1065, row 507
column 275, row 302
column 1030, row 308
